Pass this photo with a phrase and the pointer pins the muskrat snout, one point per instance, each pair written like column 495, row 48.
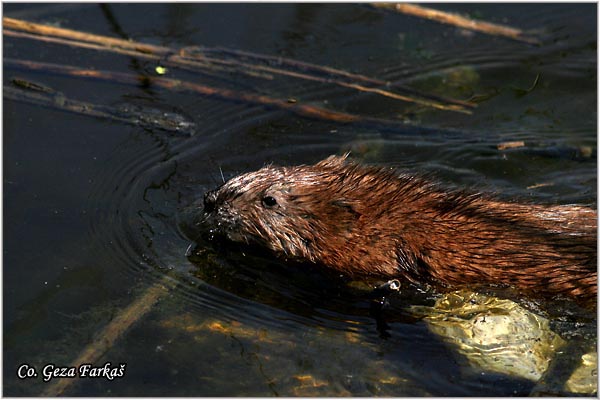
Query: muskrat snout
column 195, row 219
column 208, row 216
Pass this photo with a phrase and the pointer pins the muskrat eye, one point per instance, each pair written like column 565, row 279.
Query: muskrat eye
column 269, row 201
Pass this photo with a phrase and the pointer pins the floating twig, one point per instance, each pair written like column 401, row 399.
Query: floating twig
column 47, row 30
column 540, row 185
column 522, row 92
column 510, row 145
column 175, row 85
column 356, row 86
column 460, row 21
column 315, row 68
column 204, row 59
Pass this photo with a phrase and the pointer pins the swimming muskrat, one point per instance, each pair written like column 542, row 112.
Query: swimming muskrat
column 366, row 221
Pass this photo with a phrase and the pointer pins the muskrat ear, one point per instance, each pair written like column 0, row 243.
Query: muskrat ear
column 347, row 207
column 334, row 161
column 346, row 217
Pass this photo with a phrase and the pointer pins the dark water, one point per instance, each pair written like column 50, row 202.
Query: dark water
column 91, row 205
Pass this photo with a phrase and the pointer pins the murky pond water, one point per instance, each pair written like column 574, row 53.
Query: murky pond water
column 91, row 205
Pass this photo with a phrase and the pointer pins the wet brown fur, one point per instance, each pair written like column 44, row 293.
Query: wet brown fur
column 373, row 221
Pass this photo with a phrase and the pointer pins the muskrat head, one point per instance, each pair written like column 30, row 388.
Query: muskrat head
column 289, row 210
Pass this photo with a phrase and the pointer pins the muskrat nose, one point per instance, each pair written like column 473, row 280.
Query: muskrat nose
column 210, row 201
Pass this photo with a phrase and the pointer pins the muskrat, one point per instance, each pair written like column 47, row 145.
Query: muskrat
column 368, row 221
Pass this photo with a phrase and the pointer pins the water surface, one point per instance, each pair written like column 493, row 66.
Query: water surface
column 91, row 205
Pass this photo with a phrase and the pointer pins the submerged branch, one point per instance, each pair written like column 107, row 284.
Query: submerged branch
column 459, row 21
column 28, row 92
column 106, row 338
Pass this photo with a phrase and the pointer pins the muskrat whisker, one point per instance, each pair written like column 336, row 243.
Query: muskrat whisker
column 189, row 250
column 222, row 176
